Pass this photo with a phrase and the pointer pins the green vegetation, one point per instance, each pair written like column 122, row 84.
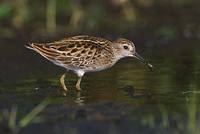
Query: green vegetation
column 118, row 16
column 13, row 125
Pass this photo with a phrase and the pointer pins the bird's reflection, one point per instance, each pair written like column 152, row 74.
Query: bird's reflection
column 131, row 92
column 80, row 99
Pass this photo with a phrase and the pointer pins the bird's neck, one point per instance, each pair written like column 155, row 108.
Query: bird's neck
column 117, row 55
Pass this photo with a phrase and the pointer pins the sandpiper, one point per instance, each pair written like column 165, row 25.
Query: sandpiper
column 83, row 54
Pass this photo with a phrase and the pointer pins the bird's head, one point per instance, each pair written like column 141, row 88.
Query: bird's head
column 126, row 48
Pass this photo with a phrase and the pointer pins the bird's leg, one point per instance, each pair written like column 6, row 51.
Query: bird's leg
column 80, row 74
column 78, row 87
column 62, row 81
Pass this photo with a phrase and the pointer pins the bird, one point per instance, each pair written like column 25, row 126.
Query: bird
column 82, row 54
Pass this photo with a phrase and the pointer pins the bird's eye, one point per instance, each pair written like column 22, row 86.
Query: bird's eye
column 125, row 47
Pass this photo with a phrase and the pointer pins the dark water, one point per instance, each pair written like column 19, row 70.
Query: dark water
column 127, row 98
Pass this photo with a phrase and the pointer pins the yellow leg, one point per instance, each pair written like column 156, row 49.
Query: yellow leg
column 62, row 81
column 78, row 87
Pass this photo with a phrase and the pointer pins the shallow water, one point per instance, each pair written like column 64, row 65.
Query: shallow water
column 128, row 98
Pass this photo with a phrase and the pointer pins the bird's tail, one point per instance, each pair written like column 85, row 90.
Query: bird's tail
column 29, row 46
column 43, row 50
column 34, row 46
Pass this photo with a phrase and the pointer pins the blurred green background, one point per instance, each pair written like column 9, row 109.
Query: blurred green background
column 168, row 18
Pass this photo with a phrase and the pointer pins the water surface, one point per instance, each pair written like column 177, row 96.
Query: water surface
column 128, row 98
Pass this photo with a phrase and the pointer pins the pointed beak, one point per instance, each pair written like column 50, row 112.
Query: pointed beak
column 141, row 59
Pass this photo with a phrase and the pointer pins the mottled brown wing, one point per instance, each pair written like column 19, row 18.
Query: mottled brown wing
column 98, row 42
column 73, row 52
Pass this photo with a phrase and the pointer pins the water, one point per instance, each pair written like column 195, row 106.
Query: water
column 128, row 98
